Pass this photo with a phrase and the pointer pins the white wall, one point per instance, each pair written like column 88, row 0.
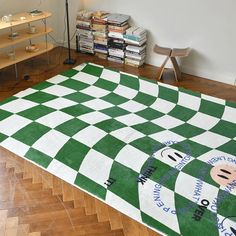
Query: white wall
column 208, row 26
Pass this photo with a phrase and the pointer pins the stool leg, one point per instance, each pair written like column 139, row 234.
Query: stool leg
column 177, row 71
column 161, row 70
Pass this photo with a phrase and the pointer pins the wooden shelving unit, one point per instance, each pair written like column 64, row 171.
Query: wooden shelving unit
column 20, row 54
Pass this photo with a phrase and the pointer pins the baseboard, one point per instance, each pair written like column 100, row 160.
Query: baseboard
column 222, row 78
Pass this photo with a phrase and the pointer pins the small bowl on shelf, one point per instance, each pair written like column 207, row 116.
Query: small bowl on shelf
column 31, row 48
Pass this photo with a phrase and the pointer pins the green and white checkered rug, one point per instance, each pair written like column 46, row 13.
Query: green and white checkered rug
column 163, row 155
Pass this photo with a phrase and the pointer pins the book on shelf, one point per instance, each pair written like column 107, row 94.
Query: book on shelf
column 117, row 19
column 115, row 59
column 137, row 49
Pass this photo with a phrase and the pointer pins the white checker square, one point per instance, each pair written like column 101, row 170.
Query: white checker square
column 12, row 124
column 59, row 103
column 125, row 91
column 57, row 79
column 131, row 119
column 148, row 88
column 97, row 104
column 203, row 121
column 213, row 99
column 208, row 191
column 210, row 139
column 86, row 78
column 54, row 119
column 25, row 93
column 132, row 106
column 58, row 90
column 51, row 143
column 80, row 67
column 154, row 208
column 18, row 147
column 110, row 75
column 123, row 206
column 62, row 171
column 189, row 101
column 90, row 135
column 167, row 122
column 167, row 135
column 94, row 117
column 95, row 91
column 215, row 157
column 131, row 157
column 127, row 134
column 163, row 105
column 18, row 105
column 96, row 167
column 229, row 114
column 168, row 86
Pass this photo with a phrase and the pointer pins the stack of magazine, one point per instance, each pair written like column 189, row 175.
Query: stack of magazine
column 117, row 26
column 100, row 33
column 85, row 33
column 135, row 53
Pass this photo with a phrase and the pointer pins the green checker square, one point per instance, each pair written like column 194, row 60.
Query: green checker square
column 200, row 170
column 148, row 80
column 157, row 225
column 182, row 113
column 72, row 154
column 109, row 146
column 70, row 73
column 115, row 99
column 38, row 157
column 71, row 127
column 164, row 174
column 4, row 114
column 8, row 100
column 150, row 114
column 231, row 104
column 188, row 225
column 115, row 111
column 148, row 128
column 42, row 85
column 126, row 185
column 192, row 148
column 93, row 70
column 146, row 144
column 79, row 97
column 190, row 92
column 90, row 186
column 168, row 94
column 74, row 84
column 40, row 97
column 31, row 133
column 229, row 147
column 188, row 131
column 226, row 203
column 105, row 84
column 110, row 125
column 225, row 128
column 129, row 81
column 2, row 137
column 144, row 98
column 211, row 108
column 36, row 112
column 77, row 110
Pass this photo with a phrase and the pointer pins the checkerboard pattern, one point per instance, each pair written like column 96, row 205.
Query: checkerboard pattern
column 91, row 124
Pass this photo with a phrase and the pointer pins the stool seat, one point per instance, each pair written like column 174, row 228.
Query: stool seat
column 171, row 54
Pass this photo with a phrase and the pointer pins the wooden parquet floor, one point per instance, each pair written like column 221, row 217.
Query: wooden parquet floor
column 34, row 202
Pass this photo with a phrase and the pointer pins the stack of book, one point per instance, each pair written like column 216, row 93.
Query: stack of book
column 117, row 26
column 85, row 33
column 135, row 39
column 100, row 34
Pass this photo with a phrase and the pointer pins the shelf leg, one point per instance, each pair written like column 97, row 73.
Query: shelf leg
column 16, row 71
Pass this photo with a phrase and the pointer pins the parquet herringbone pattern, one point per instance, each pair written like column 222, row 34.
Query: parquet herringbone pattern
column 34, row 202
